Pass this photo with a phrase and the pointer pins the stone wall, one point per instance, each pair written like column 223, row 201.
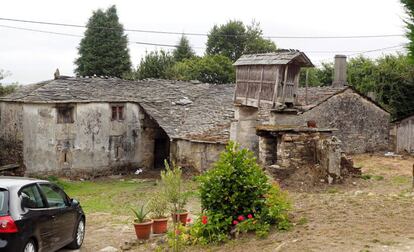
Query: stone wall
column 317, row 153
column 94, row 144
column 11, row 137
column 362, row 126
column 197, row 156
column 243, row 128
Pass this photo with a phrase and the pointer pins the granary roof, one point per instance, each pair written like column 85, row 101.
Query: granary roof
column 183, row 109
column 280, row 57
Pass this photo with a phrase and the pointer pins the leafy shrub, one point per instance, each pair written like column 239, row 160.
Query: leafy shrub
column 211, row 228
column 237, row 188
column 158, row 205
column 172, row 186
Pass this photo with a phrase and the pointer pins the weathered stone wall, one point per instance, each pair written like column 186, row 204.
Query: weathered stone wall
column 195, row 155
column 405, row 135
column 362, row 126
column 315, row 153
column 243, row 128
column 11, row 137
column 93, row 144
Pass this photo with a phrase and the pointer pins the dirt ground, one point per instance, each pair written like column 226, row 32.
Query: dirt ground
column 373, row 213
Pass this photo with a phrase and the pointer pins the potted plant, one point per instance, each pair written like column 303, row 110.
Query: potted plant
column 173, row 190
column 142, row 224
column 158, row 206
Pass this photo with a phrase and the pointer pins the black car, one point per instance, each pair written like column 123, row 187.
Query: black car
column 38, row 216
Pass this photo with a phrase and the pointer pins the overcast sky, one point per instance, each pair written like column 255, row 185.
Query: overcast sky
column 31, row 56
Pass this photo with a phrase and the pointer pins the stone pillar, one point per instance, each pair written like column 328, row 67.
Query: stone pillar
column 243, row 128
column 339, row 79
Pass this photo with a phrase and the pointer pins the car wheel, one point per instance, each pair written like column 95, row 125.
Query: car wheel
column 30, row 247
column 80, row 234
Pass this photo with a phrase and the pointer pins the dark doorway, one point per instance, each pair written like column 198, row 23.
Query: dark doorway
column 161, row 152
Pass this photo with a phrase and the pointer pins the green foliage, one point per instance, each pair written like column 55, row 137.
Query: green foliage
column 140, row 215
column 215, row 228
column 409, row 9
column 5, row 90
column 277, row 206
column 234, row 38
column 158, row 205
column 234, row 189
column 258, row 226
column 208, row 69
column 361, row 74
column 320, row 76
column 177, row 237
column 104, row 51
column 172, row 186
column 155, row 64
column 236, row 185
column 183, row 50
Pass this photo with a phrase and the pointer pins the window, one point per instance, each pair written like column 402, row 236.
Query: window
column 65, row 114
column 32, row 197
column 54, row 196
column 117, row 112
column 3, row 202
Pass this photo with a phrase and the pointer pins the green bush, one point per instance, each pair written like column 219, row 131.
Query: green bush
column 235, row 186
column 237, row 196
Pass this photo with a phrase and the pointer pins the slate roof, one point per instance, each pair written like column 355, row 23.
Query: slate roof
column 280, row 57
column 182, row 109
column 317, row 95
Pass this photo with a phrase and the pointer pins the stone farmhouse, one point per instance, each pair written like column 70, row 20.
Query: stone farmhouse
column 73, row 125
column 99, row 125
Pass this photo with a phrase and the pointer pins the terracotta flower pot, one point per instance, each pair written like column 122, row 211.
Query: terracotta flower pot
column 180, row 216
column 160, row 226
column 143, row 230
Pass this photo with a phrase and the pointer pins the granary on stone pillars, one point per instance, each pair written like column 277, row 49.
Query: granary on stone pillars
column 270, row 80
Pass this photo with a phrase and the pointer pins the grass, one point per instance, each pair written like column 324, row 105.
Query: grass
column 113, row 196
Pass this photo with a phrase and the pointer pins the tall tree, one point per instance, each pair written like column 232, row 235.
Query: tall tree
column 104, row 48
column 409, row 9
column 155, row 64
column 183, row 50
column 234, row 38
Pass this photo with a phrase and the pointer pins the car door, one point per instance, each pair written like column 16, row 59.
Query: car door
column 64, row 216
column 37, row 219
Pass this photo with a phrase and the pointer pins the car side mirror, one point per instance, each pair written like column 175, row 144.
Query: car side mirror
column 74, row 202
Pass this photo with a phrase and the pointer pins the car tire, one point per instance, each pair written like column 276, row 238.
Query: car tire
column 30, row 246
column 79, row 235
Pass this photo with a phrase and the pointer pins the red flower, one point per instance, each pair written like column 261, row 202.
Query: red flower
column 204, row 219
column 250, row 216
column 177, row 232
column 189, row 220
column 235, row 222
column 240, row 218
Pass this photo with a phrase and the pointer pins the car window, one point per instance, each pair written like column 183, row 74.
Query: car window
column 32, row 197
column 54, row 196
column 3, row 202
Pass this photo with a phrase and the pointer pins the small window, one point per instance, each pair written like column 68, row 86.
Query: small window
column 54, row 196
column 65, row 114
column 32, row 197
column 117, row 112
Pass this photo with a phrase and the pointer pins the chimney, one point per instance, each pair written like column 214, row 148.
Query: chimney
column 339, row 71
column 57, row 74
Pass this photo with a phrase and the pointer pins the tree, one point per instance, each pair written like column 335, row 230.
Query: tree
column 183, row 50
column 361, row 72
column 5, row 90
column 320, row 76
column 103, row 50
column 155, row 64
column 409, row 9
column 234, row 39
column 209, row 69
